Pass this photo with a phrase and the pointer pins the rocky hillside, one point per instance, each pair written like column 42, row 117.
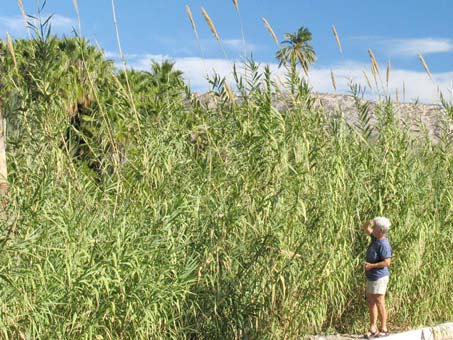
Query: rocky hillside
column 419, row 118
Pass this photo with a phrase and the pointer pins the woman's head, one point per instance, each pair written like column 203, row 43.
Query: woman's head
column 381, row 225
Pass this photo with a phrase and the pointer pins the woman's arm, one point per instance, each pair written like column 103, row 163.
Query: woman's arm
column 382, row 264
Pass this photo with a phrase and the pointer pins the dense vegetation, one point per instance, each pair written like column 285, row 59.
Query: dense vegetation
column 135, row 212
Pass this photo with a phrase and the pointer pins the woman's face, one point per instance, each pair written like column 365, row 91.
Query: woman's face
column 377, row 232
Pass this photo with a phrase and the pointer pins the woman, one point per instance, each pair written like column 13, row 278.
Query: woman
column 378, row 258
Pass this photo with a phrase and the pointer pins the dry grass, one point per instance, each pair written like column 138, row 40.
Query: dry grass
column 76, row 7
column 373, row 61
column 337, row 38
column 210, row 23
column 24, row 15
column 374, row 68
column 229, row 93
column 404, row 91
column 332, row 77
column 387, row 74
column 271, row 31
column 289, row 254
column 11, row 49
column 425, row 66
column 236, row 5
column 192, row 22
column 367, row 80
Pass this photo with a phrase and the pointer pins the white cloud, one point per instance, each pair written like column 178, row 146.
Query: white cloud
column 111, row 55
column 238, row 45
column 195, row 69
column 62, row 22
column 417, row 85
column 16, row 26
column 12, row 24
column 411, row 47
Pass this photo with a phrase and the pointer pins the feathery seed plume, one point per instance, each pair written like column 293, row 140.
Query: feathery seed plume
column 425, row 65
column 332, row 77
column 236, row 4
column 387, row 74
column 192, row 22
column 22, row 10
column 337, row 38
column 367, row 80
column 76, row 6
column 373, row 61
column 271, row 31
column 404, row 91
column 11, row 49
column 210, row 23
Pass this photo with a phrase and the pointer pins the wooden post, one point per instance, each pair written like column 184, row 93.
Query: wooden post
column 3, row 169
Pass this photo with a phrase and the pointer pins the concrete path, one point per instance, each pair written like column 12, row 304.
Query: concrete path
column 439, row 332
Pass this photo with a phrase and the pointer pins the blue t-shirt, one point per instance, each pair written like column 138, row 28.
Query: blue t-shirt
column 378, row 251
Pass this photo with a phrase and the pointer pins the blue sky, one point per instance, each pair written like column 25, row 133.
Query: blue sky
column 154, row 29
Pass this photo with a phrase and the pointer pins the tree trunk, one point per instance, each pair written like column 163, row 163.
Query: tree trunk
column 3, row 170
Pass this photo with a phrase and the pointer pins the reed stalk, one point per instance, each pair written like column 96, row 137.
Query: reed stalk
column 123, row 63
column 3, row 167
column 76, row 7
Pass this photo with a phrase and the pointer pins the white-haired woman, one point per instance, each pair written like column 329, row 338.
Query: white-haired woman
column 378, row 258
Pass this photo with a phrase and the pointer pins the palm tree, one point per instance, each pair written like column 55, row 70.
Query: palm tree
column 165, row 75
column 297, row 49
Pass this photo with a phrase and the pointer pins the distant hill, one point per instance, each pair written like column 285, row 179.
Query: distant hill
column 419, row 118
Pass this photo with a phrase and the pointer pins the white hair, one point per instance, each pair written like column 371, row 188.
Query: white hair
column 383, row 223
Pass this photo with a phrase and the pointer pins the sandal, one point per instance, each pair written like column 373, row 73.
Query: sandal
column 383, row 333
column 371, row 334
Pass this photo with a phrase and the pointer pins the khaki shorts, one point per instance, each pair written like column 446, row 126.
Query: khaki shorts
column 377, row 287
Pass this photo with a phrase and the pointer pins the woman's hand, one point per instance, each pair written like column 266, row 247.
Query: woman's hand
column 368, row 266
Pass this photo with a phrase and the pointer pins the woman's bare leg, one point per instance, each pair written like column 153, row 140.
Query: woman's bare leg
column 382, row 311
column 373, row 309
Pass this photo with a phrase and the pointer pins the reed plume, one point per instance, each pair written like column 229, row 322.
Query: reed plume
column 210, row 23
column 194, row 27
column 11, row 49
column 332, row 77
column 387, row 74
column 24, row 15
column 76, row 7
column 236, row 5
column 404, row 91
column 367, row 80
column 425, row 65
column 337, row 38
column 373, row 61
column 192, row 22
column 271, row 31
